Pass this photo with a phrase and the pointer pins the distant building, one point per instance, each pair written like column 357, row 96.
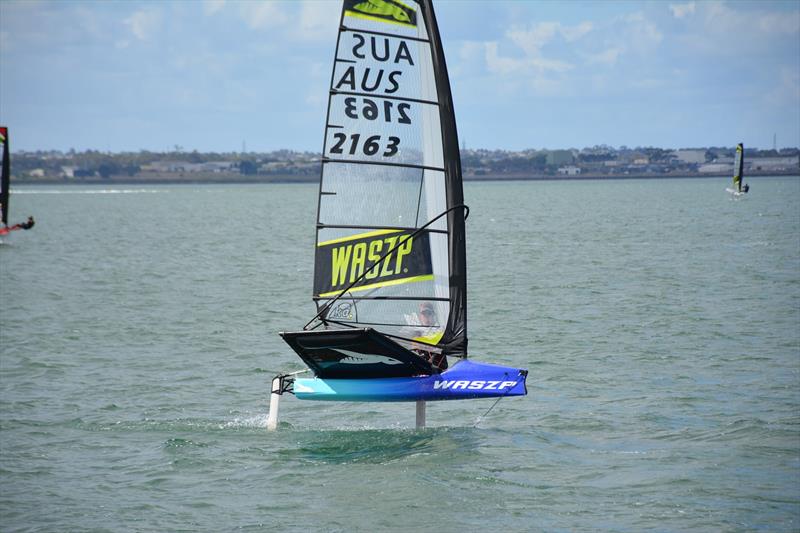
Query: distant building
column 166, row 166
column 712, row 168
column 774, row 163
column 185, row 166
column 570, row 170
column 697, row 157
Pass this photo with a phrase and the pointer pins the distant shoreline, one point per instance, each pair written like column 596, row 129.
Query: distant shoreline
column 230, row 179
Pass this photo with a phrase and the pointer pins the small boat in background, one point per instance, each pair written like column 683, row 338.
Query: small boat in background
column 5, row 192
column 738, row 173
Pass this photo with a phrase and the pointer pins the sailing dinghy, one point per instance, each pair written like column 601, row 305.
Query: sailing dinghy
column 738, row 173
column 390, row 281
column 5, row 192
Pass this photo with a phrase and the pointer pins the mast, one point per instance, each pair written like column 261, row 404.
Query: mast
column 455, row 339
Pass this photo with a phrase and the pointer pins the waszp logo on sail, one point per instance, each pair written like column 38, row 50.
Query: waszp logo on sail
column 340, row 262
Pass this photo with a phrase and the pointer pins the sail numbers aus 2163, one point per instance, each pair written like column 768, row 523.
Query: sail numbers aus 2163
column 383, row 50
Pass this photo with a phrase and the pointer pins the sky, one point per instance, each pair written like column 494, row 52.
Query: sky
column 223, row 76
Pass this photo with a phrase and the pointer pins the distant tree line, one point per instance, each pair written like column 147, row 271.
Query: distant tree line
column 105, row 165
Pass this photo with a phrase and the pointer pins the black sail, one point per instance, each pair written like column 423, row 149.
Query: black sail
column 5, row 178
column 390, row 246
column 738, row 167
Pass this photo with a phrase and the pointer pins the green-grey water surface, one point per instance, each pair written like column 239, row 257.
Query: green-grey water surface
column 660, row 322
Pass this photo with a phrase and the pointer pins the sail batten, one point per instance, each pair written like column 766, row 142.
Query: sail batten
column 384, row 97
column 390, row 248
column 399, row 165
column 383, row 34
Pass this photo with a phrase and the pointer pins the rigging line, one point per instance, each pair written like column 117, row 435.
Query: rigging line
column 522, row 374
column 387, row 254
column 390, row 298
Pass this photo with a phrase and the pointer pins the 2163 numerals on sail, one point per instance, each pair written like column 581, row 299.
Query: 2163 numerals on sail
column 371, row 145
column 371, row 111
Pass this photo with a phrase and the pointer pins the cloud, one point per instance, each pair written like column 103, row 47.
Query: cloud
column 787, row 92
column 211, row 7
column 531, row 41
column 535, row 37
column 720, row 18
column 531, row 64
column 640, row 32
column 144, row 24
column 680, row 11
column 308, row 21
column 779, row 22
column 261, row 15
column 315, row 20
column 721, row 29
column 606, row 57
column 573, row 33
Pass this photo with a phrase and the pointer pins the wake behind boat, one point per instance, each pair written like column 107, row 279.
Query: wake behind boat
column 5, row 189
column 738, row 173
column 390, row 262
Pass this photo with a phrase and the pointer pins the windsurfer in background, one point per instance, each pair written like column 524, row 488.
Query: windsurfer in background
column 746, row 187
column 429, row 329
column 23, row 225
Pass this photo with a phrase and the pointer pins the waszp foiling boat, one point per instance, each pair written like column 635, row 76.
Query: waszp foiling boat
column 5, row 181
column 738, row 173
column 390, row 281
column 5, row 188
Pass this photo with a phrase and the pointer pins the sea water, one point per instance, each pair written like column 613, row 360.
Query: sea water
column 660, row 322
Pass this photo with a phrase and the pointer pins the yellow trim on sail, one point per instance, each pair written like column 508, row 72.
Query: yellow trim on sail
column 377, row 19
column 404, row 5
column 360, row 236
column 432, row 339
column 413, row 279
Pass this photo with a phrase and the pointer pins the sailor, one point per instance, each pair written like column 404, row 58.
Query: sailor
column 29, row 224
column 24, row 225
column 429, row 328
column 746, row 187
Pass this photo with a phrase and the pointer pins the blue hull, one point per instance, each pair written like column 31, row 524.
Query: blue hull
column 464, row 380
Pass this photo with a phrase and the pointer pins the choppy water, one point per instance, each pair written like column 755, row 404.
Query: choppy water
column 660, row 322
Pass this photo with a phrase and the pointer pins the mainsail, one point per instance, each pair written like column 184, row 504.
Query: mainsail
column 390, row 246
column 738, row 167
column 5, row 177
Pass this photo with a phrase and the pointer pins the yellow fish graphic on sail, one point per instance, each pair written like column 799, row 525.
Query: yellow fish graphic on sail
column 388, row 11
